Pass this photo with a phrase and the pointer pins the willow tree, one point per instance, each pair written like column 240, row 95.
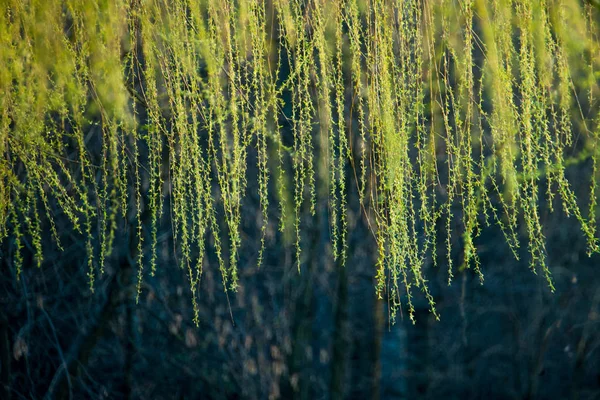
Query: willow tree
column 436, row 106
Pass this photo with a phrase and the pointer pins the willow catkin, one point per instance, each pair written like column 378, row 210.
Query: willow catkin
column 356, row 41
column 343, row 150
column 325, row 83
column 529, row 140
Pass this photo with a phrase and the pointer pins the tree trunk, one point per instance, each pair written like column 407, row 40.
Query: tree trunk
column 340, row 337
column 5, row 358
column 379, row 320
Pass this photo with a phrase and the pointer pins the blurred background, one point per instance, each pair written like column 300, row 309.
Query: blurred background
column 317, row 333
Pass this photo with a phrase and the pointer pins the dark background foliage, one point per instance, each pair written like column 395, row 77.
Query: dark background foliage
column 318, row 334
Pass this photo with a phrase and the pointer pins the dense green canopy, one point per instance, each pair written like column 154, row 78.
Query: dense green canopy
column 445, row 115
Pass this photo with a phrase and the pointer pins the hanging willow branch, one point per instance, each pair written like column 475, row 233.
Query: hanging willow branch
column 454, row 110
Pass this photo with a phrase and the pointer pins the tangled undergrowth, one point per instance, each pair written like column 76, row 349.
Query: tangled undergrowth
column 107, row 106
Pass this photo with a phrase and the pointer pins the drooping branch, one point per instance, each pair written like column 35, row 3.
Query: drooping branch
column 466, row 111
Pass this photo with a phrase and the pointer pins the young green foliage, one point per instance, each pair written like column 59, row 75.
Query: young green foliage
column 440, row 116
